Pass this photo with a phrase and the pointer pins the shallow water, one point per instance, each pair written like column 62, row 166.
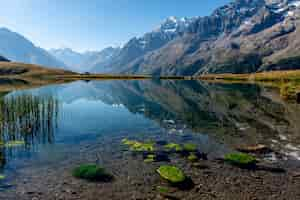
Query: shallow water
column 64, row 125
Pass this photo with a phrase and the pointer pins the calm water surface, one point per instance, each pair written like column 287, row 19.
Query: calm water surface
column 62, row 122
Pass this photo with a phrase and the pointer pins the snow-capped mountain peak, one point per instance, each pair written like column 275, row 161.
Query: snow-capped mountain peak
column 174, row 24
column 285, row 7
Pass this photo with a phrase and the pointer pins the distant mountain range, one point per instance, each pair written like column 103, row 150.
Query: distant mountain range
column 15, row 47
column 85, row 62
column 243, row 36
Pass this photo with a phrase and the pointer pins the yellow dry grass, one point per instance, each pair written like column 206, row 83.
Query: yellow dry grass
column 30, row 70
column 15, row 76
column 288, row 82
column 289, row 75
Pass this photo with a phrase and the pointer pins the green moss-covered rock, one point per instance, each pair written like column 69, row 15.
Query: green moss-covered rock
column 139, row 146
column 128, row 142
column 240, row 159
column 171, row 173
column 189, row 147
column 162, row 189
column 91, row 172
column 173, row 147
column 150, row 158
column 193, row 157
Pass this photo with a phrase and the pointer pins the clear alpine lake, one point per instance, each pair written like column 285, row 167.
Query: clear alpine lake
column 46, row 132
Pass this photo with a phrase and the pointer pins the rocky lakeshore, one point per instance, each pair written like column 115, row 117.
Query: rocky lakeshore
column 135, row 179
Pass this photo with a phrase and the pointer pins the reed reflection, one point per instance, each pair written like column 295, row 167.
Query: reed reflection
column 26, row 120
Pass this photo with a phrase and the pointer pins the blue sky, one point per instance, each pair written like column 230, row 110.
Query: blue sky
column 94, row 24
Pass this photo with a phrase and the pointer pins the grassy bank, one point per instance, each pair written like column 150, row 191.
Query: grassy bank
column 15, row 76
column 273, row 76
column 288, row 82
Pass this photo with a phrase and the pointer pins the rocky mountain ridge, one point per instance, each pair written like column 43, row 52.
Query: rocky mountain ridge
column 17, row 48
column 241, row 37
column 3, row 59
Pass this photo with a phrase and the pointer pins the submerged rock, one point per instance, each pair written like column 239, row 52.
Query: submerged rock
column 156, row 157
column 173, row 147
column 91, row 172
column 200, row 165
column 193, row 157
column 189, row 147
column 162, row 157
column 162, row 189
column 241, row 159
column 255, row 149
column 150, row 158
column 171, row 173
column 128, row 142
column 161, row 142
column 139, row 146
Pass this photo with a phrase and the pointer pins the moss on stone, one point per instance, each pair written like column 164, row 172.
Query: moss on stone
column 162, row 189
column 190, row 147
column 128, row 142
column 171, row 173
column 139, row 146
column 193, row 157
column 91, row 172
column 173, row 147
column 240, row 159
column 150, row 158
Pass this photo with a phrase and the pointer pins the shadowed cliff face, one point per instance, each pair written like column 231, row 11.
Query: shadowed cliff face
column 3, row 59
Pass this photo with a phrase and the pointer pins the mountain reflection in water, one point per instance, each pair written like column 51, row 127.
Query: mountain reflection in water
column 231, row 114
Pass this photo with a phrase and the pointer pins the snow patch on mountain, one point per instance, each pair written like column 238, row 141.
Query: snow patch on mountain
column 174, row 24
column 285, row 7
